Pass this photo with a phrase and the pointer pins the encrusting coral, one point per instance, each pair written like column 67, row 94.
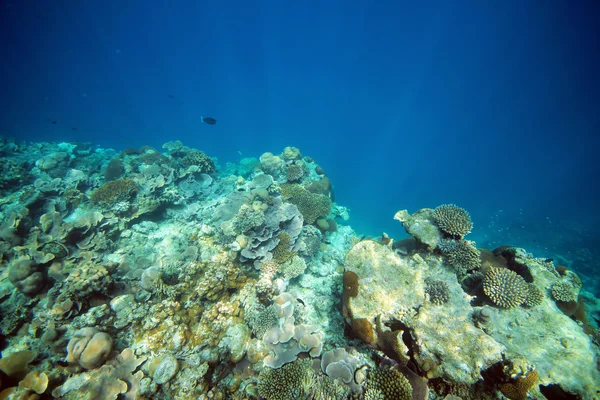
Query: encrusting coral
column 518, row 389
column 230, row 281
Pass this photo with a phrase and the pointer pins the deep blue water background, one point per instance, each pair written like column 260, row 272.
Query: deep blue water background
column 494, row 106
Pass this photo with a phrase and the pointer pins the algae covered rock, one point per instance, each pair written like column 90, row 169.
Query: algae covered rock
column 421, row 225
column 392, row 288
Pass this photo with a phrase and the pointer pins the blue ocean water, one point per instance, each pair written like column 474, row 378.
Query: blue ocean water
column 493, row 105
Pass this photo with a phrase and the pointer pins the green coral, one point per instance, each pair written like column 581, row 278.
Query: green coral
column 464, row 257
column 198, row 158
column 283, row 251
column 292, row 381
column 453, row 220
column 310, row 205
column 388, row 384
column 504, row 287
column 114, row 192
column 438, row 291
column 535, row 296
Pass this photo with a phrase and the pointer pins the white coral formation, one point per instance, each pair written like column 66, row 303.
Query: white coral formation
column 392, row 287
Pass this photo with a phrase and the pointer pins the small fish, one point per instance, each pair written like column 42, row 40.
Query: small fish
column 52, row 121
column 73, row 129
column 208, row 120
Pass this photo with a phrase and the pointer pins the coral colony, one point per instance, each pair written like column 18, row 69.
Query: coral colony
column 161, row 274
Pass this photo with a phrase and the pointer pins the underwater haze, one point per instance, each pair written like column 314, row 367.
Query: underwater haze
column 493, row 106
column 198, row 199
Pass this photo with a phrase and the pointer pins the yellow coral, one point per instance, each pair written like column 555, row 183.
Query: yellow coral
column 518, row 390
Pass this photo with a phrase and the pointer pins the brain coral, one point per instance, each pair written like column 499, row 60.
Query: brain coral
column 504, row 287
column 453, row 220
column 388, row 384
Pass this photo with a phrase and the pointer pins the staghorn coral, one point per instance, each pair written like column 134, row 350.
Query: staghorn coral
column 311, row 206
column 114, row 192
column 388, row 384
column 518, row 389
column 535, row 296
column 453, row 220
column 504, row 287
column 438, row 291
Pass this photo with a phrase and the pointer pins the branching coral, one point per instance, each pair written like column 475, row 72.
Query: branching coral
column 111, row 193
column 311, row 206
column 294, row 173
column 388, row 384
column 293, row 267
column 504, row 287
column 438, row 292
column 285, row 383
column 464, row 257
column 453, row 220
column 564, row 291
column 535, row 296
column 198, row 158
column 282, row 252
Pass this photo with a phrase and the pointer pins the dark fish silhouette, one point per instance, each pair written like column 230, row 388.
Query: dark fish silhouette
column 208, row 120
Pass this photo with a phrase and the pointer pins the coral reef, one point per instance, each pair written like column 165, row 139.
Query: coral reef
column 163, row 274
